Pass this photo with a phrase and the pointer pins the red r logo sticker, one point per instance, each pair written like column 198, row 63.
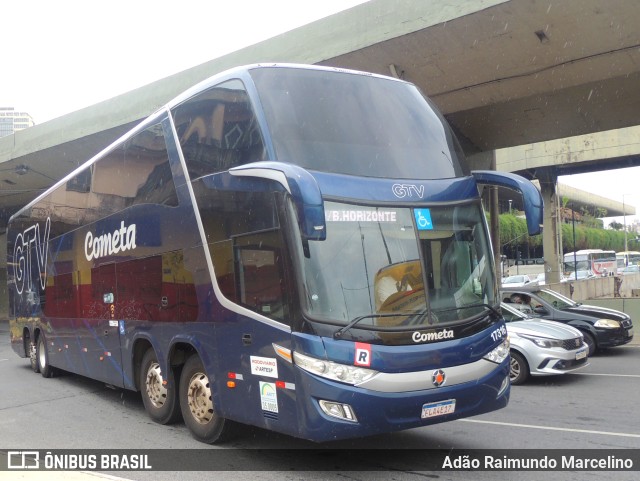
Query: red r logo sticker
column 363, row 354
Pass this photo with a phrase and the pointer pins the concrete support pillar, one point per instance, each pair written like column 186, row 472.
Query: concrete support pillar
column 494, row 226
column 4, row 295
column 552, row 232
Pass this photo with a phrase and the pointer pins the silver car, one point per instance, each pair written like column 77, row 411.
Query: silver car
column 542, row 348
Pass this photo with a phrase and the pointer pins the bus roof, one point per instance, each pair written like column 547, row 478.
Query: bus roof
column 590, row 251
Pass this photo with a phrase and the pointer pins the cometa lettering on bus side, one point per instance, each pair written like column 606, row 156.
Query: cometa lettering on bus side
column 120, row 240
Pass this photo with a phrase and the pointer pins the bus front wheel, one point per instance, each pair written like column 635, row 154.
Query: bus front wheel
column 159, row 397
column 196, row 402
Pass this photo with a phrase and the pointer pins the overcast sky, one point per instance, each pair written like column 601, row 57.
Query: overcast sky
column 612, row 184
column 61, row 56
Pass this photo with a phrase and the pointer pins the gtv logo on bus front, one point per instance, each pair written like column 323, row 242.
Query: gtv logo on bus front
column 407, row 190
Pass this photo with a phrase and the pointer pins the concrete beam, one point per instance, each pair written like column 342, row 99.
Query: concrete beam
column 365, row 25
column 571, row 155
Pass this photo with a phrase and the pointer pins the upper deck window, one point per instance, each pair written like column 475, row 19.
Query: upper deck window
column 218, row 130
column 356, row 124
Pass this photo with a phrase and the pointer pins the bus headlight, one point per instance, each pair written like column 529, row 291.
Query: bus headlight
column 500, row 353
column 333, row 370
column 607, row 323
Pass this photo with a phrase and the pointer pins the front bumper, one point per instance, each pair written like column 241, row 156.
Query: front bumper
column 613, row 337
column 380, row 412
column 552, row 361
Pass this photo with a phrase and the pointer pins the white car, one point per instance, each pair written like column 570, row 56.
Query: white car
column 542, row 348
column 632, row 269
column 516, row 281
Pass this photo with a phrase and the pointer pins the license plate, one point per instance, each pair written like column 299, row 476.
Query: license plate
column 439, row 408
column 581, row 354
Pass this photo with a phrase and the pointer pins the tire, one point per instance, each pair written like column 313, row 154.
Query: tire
column 518, row 369
column 42, row 356
column 590, row 341
column 32, row 352
column 160, row 400
column 196, row 402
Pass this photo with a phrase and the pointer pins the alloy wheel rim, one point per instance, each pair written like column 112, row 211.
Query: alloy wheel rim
column 199, row 398
column 156, row 392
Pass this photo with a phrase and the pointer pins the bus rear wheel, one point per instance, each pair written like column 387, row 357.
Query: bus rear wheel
column 42, row 357
column 159, row 397
column 196, row 402
column 32, row 351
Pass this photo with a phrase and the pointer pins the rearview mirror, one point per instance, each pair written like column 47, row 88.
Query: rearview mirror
column 303, row 189
column 532, row 199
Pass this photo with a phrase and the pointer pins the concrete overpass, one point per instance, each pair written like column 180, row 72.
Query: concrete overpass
column 505, row 73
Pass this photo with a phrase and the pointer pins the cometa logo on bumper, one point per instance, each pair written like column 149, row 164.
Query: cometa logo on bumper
column 119, row 240
column 432, row 336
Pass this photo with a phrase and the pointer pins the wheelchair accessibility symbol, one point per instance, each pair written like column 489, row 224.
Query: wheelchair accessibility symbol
column 423, row 219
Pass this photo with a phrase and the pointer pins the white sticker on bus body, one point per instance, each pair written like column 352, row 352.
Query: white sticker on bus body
column 264, row 366
column 268, row 397
column 363, row 354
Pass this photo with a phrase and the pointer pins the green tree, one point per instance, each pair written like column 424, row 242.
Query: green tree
column 513, row 233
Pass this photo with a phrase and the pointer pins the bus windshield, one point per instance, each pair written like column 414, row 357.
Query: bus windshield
column 386, row 128
column 399, row 267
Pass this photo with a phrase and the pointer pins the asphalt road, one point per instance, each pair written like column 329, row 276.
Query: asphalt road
column 597, row 408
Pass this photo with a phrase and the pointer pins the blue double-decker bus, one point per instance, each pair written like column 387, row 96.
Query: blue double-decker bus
column 297, row 248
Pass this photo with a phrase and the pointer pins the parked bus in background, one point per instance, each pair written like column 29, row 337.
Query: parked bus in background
column 627, row 258
column 592, row 261
column 297, row 248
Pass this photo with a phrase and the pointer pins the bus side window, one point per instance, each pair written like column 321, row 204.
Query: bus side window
column 246, row 243
column 218, row 130
column 260, row 280
column 147, row 161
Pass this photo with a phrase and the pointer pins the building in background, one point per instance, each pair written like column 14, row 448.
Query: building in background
column 11, row 121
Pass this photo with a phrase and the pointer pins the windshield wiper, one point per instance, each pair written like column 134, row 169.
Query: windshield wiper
column 340, row 332
column 495, row 314
column 417, row 315
column 493, row 310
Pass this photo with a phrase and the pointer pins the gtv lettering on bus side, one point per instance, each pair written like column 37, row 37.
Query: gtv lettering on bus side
column 30, row 244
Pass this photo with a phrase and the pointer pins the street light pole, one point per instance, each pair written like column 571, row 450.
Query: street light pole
column 624, row 221
column 575, row 255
